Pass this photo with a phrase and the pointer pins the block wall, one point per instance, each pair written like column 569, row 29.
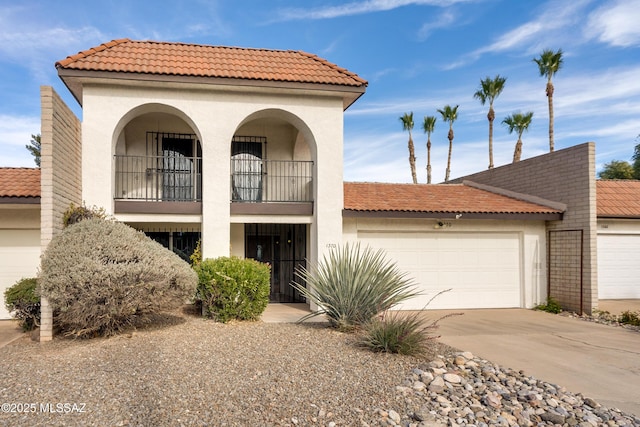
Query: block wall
column 61, row 181
column 566, row 176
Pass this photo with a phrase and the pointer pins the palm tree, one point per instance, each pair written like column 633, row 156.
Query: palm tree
column 549, row 63
column 450, row 115
column 407, row 124
column 429, row 125
column 520, row 123
column 489, row 90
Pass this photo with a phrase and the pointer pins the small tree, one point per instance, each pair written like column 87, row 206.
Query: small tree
column 34, row 148
column 636, row 160
column 617, row 169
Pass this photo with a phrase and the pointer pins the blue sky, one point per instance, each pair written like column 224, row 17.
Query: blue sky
column 417, row 56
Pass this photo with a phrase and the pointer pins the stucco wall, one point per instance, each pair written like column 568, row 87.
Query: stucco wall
column 215, row 115
column 566, row 176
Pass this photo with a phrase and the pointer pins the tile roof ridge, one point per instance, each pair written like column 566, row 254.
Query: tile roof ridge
column 404, row 183
column 518, row 196
column 83, row 54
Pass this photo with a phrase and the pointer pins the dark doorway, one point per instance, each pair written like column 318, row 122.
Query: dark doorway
column 284, row 247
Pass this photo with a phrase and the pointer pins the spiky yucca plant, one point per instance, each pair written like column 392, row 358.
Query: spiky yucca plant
column 352, row 284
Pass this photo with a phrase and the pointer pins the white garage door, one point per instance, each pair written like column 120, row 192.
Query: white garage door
column 481, row 269
column 19, row 257
column 618, row 266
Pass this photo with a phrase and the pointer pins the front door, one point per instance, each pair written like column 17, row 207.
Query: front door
column 283, row 247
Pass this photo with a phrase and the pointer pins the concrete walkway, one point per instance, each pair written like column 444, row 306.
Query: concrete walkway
column 9, row 332
column 599, row 361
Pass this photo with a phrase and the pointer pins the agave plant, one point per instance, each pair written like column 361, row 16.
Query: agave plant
column 352, row 284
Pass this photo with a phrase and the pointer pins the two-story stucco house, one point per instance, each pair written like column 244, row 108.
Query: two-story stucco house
column 242, row 149
column 239, row 147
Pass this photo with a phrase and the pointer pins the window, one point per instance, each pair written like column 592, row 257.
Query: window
column 247, row 154
column 179, row 164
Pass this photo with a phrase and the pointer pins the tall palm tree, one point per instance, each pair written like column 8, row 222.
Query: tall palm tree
column 450, row 115
column 407, row 124
column 489, row 90
column 428, row 126
column 520, row 123
column 549, row 63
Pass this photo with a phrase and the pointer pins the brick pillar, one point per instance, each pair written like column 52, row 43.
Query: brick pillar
column 60, row 177
column 46, row 321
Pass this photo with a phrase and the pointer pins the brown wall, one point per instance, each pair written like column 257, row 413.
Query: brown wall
column 61, row 162
column 566, row 176
column 61, row 180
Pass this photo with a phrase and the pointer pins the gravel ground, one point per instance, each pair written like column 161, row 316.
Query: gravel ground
column 185, row 370
column 193, row 371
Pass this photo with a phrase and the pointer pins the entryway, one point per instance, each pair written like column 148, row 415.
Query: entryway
column 284, row 247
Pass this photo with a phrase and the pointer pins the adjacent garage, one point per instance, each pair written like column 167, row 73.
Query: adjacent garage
column 618, row 207
column 618, row 263
column 488, row 248
column 482, row 269
column 19, row 257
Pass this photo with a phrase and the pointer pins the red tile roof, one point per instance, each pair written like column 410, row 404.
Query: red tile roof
column 181, row 59
column 433, row 198
column 19, row 182
column 618, row 198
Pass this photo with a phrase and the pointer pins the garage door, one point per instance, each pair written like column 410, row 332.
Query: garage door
column 481, row 269
column 618, row 266
column 19, row 257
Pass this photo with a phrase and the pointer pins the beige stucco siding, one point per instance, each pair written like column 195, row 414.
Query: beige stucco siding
column 215, row 116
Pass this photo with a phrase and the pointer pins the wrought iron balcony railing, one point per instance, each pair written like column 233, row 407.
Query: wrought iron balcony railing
column 158, row 178
column 254, row 180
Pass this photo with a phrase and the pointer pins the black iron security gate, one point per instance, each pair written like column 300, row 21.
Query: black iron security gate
column 284, row 247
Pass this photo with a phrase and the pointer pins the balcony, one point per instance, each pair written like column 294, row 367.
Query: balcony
column 173, row 184
column 271, row 186
column 158, row 184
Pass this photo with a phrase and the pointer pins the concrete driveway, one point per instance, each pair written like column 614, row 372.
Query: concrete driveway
column 599, row 361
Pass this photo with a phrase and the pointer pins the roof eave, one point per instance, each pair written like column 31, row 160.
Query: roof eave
column 526, row 216
column 19, row 200
column 74, row 80
column 614, row 216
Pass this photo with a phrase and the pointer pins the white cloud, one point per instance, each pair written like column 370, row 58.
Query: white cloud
column 444, row 20
column 358, row 8
column 616, row 23
column 547, row 29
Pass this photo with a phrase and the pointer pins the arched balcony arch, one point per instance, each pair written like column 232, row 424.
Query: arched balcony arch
column 157, row 158
column 272, row 162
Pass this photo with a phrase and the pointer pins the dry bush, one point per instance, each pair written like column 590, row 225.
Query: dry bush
column 102, row 276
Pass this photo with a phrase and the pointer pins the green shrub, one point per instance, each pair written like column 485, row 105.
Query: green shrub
column 397, row 332
column 352, row 285
column 196, row 256
column 629, row 318
column 103, row 276
column 551, row 306
column 232, row 288
column 23, row 302
column 75, row 214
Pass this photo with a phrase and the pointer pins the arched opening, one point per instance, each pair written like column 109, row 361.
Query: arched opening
column 272, row 155
column 158, row 158
column 157, row 164
column 272, row 173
